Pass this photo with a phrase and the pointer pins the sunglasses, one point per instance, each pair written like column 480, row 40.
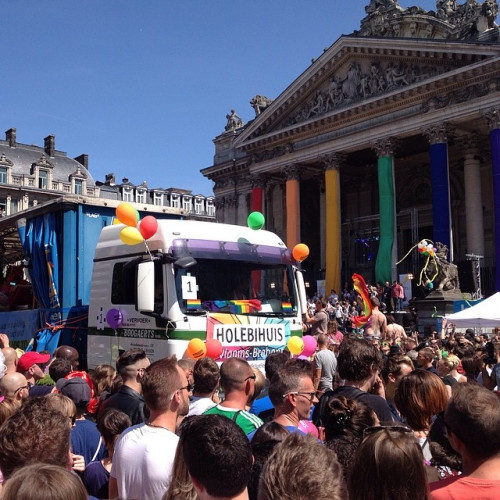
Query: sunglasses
column 21, row 388
column 378, row 428
column 308, row 395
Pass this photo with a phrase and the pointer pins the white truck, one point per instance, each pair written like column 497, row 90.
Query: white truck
column 193, row 280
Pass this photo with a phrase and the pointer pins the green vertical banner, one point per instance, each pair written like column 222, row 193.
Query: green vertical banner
column 383, row 265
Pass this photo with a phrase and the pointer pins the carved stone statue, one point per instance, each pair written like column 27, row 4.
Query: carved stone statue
column 447, row 277
column 381, row 4
column 259, row 103
column 233, row 121
column 487, row 16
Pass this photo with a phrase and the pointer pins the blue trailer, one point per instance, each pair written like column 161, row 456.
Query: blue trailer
column 52, row 245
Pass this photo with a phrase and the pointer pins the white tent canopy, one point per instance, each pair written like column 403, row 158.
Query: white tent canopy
column 486, row 314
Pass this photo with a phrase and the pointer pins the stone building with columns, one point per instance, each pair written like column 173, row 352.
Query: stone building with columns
column 392, row 135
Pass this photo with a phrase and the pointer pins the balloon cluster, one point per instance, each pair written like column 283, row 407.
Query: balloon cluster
column 137, row 230
column 198, row 349
column 302, row 346
column 426, row 248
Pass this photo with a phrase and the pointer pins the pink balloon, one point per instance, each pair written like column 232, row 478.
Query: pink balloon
column 308, row 427
column 310, row 345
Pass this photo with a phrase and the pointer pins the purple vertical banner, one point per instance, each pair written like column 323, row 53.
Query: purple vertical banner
column 495, row 167
column 440, row 194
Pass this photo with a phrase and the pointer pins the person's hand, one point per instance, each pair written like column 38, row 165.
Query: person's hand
column 78, row 463
column 321, row 434
column 4, row 339
column 378, row 387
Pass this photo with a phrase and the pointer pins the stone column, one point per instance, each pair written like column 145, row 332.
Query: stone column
column 473, row 197
column 385, row 265
column 493, row 117
column 292, row 193
column 332, row 165
column 258, row 184
column 242, row 208
column 441, row 208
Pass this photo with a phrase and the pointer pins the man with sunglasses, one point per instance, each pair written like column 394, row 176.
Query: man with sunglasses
column 237, row 380
column 14, row 387
column 131, row 366
column 144, row 453
column 293, row 395
column 32, row 365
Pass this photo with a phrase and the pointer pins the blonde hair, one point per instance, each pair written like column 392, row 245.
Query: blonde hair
column 61, row 403
column 451, row 361
column 44, row 482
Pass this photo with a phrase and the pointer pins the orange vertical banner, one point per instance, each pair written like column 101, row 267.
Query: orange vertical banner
column 292, row 212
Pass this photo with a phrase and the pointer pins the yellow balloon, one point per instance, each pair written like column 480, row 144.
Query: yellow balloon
column 295, row 345
column 131, row 236
column 117, row 221
column 127, row 214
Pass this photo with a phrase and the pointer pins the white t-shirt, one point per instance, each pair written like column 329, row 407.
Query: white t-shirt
column 142, row 462
column 198, row 405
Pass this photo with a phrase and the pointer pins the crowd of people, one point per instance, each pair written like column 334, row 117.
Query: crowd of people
column 384, row 414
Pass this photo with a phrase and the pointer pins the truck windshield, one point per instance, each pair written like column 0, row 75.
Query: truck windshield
column 235, row 278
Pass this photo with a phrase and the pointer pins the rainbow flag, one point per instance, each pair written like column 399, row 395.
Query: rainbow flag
column 244, row 306
column 286, row 306
column 193, row 303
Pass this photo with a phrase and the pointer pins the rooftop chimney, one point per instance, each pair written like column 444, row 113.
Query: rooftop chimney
column 50, row 145
column 10, row 136
column 83, row 160
column 110, row 179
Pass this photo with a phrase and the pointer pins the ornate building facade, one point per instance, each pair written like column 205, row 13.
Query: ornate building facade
column 31, row 175
column 392, row 135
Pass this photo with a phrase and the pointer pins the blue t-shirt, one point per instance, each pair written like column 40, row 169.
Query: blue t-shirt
column 85, row 440
column 96, row 479
column 261, row 405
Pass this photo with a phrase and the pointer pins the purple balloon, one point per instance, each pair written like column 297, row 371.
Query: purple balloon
column 310, row 345
column 114, row 317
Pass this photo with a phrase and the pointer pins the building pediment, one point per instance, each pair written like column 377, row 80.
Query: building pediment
column 360, row 77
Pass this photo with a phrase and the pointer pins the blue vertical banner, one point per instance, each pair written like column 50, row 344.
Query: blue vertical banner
column 441, row 194
column 495, row 165
column 39, row 239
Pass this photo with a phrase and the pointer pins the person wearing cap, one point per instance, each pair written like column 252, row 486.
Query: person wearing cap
column 85, row 438
column 32, row 365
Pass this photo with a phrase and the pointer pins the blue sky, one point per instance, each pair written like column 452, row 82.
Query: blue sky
column 143, row 87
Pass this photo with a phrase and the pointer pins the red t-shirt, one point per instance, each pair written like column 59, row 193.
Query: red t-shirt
column 465, row 488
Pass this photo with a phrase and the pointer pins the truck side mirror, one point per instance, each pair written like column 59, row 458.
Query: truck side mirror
column 146, row 286
column 302, row 290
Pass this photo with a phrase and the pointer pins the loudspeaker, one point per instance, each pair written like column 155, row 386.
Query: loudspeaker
column 467, row 276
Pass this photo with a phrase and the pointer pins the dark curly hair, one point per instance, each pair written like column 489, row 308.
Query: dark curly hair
column 347, row 417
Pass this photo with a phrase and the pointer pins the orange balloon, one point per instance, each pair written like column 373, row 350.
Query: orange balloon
column 196, row 349
column 300, row 252
column 127, row 214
